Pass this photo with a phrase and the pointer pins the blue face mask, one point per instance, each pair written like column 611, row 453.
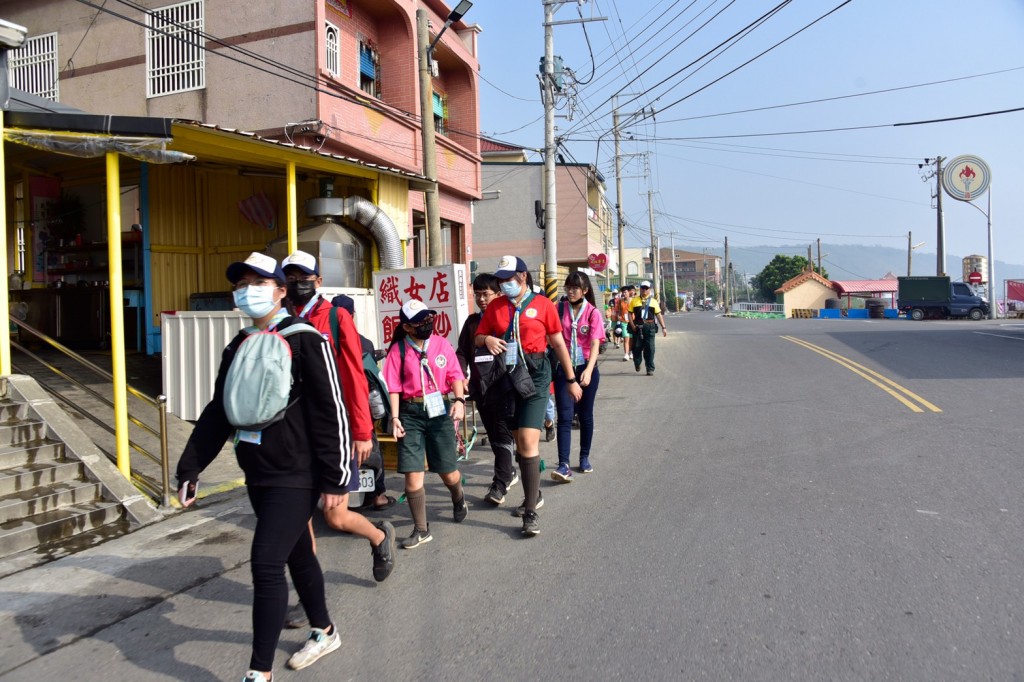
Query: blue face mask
column 511, row 288
column 256, row 302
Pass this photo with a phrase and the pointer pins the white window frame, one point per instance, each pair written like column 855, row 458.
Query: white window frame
column 33, row 67
column 175, row 54
column 332, row 56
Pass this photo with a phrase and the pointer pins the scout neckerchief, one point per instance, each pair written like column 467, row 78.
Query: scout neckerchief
column 424, row 364
column 276, row 319
column 574, row 343
column 643, row 311
column 512, row 333
column 433, row 402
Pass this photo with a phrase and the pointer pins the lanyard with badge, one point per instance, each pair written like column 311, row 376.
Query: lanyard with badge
column 256, row 437
column 513, row 340
column 575, row 350
column 433, row 402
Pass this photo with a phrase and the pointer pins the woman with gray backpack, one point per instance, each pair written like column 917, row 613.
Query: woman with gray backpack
column 290, row 445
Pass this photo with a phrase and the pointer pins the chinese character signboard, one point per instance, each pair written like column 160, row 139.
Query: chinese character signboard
column 443, row 288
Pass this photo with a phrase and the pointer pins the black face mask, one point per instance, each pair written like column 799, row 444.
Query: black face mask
column 423, row 331
column 301, row 291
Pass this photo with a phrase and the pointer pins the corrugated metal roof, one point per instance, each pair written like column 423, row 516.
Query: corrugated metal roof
column 866, row 286
column 291, row 145
column 488, row 145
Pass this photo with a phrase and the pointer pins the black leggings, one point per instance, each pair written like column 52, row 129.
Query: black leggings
column 282, row 536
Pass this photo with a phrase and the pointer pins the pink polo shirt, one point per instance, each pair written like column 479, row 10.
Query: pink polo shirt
column 444, row 366
column 589, row 326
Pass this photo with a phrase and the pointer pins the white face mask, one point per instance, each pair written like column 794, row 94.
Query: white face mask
column 511, row 288
column 256, row 302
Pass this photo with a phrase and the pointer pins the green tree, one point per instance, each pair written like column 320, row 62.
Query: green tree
column 779, row 271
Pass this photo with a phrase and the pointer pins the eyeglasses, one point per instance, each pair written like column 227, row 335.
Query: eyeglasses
column 486, row 293
column 242, row 284
column 300, row 278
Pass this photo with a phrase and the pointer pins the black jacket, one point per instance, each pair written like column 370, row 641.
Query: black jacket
column 466, row 353
column 310, row 448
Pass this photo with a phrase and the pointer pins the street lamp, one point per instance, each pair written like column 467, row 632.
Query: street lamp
column 12, row 36
column 431, row 202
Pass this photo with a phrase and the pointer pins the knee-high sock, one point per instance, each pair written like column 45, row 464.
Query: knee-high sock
column 529, row 468
column 417, row 500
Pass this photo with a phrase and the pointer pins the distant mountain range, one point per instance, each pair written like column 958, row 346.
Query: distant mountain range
column 849, row 261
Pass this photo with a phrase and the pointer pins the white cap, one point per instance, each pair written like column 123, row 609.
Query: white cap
column 414, row 311
column 261, row 264
column 645, row 283
column 303, row 261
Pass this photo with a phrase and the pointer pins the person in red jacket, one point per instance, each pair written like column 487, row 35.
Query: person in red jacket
column 303, row 278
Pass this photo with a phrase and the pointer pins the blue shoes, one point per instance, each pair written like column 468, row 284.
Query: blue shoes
column 585, row 467
column 562, row 474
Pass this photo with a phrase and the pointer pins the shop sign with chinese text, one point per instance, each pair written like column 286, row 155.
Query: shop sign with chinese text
column 444, row 288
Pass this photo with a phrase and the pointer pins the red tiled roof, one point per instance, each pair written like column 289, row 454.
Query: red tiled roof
column 805, row 276
column 495, row 146
column 866, row 286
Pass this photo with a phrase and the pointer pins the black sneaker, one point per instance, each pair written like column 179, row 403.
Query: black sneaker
column 418, row 537
column 650, row 372
column 530, row 525
column 460, row 510
column 549, row 432
column 494, row 494
column 296, row 618
column 521, row 509
column 384, row 553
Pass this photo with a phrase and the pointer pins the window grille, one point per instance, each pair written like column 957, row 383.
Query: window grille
column 440, row 103
column 333, row 45
column 369, row 69
column 175, row 55
column 33, row 67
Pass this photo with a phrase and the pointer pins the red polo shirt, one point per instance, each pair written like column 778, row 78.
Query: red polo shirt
column 538, row 319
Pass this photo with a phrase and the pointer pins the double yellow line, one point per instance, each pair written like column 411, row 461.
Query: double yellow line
column 901, row 394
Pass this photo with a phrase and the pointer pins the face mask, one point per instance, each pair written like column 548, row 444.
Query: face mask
column 511, row 288
column 256, row 302
column 301, row 291
column 423, row 331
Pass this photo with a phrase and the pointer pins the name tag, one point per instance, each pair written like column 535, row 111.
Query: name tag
column 484, row 358
column 254, row 437
column 511, row 353
column 434, row 404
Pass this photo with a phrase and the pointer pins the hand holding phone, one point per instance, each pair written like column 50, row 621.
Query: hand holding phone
column 187, row 493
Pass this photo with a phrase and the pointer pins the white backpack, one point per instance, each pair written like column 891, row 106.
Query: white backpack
column 259, row 380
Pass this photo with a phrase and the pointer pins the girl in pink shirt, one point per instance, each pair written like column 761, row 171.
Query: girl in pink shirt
column 583, row 331
column 421, row 369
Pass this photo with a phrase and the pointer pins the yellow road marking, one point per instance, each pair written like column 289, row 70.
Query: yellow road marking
column 882, row 382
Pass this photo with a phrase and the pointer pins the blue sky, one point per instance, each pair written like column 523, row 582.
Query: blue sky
column 854, row 187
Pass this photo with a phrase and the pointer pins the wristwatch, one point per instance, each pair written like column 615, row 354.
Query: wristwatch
column 573, row 380
column 459, row 400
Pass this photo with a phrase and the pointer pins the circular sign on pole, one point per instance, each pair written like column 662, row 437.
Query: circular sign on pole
column 966, row 177
column 974, row 277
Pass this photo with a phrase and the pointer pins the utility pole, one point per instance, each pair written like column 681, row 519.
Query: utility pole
column 940, row 221
column 819, row 255
column 675, row 279
column 655, row 256
column 431, row 205
column 550, row 89
column 618, row 195
column 550, row 200
column 727, row 279
column 704, row 251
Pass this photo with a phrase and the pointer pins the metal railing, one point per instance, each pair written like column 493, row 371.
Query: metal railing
column 158, row 490
column 754, row 309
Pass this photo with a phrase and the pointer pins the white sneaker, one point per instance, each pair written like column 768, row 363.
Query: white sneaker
column 625, row 357
column 316, row 647
column 255, row 676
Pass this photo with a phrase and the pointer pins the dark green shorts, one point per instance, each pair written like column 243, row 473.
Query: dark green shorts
column 530, row 413
column 434, row 437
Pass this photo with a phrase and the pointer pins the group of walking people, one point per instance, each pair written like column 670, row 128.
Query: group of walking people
column 296, row 407
column 635, row 318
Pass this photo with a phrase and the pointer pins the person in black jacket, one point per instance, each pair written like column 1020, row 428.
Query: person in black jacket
column 496, row 421
column 288, row 466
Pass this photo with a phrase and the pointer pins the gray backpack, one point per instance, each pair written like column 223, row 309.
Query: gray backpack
column 259, row 380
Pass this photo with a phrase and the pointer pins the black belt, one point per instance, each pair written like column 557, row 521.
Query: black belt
column 536, row 356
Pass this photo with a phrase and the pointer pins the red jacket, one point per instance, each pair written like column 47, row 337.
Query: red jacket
column 350, row 366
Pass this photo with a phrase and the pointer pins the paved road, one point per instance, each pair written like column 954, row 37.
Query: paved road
column 768, row 506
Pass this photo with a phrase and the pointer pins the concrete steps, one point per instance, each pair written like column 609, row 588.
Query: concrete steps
column 47, row 499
